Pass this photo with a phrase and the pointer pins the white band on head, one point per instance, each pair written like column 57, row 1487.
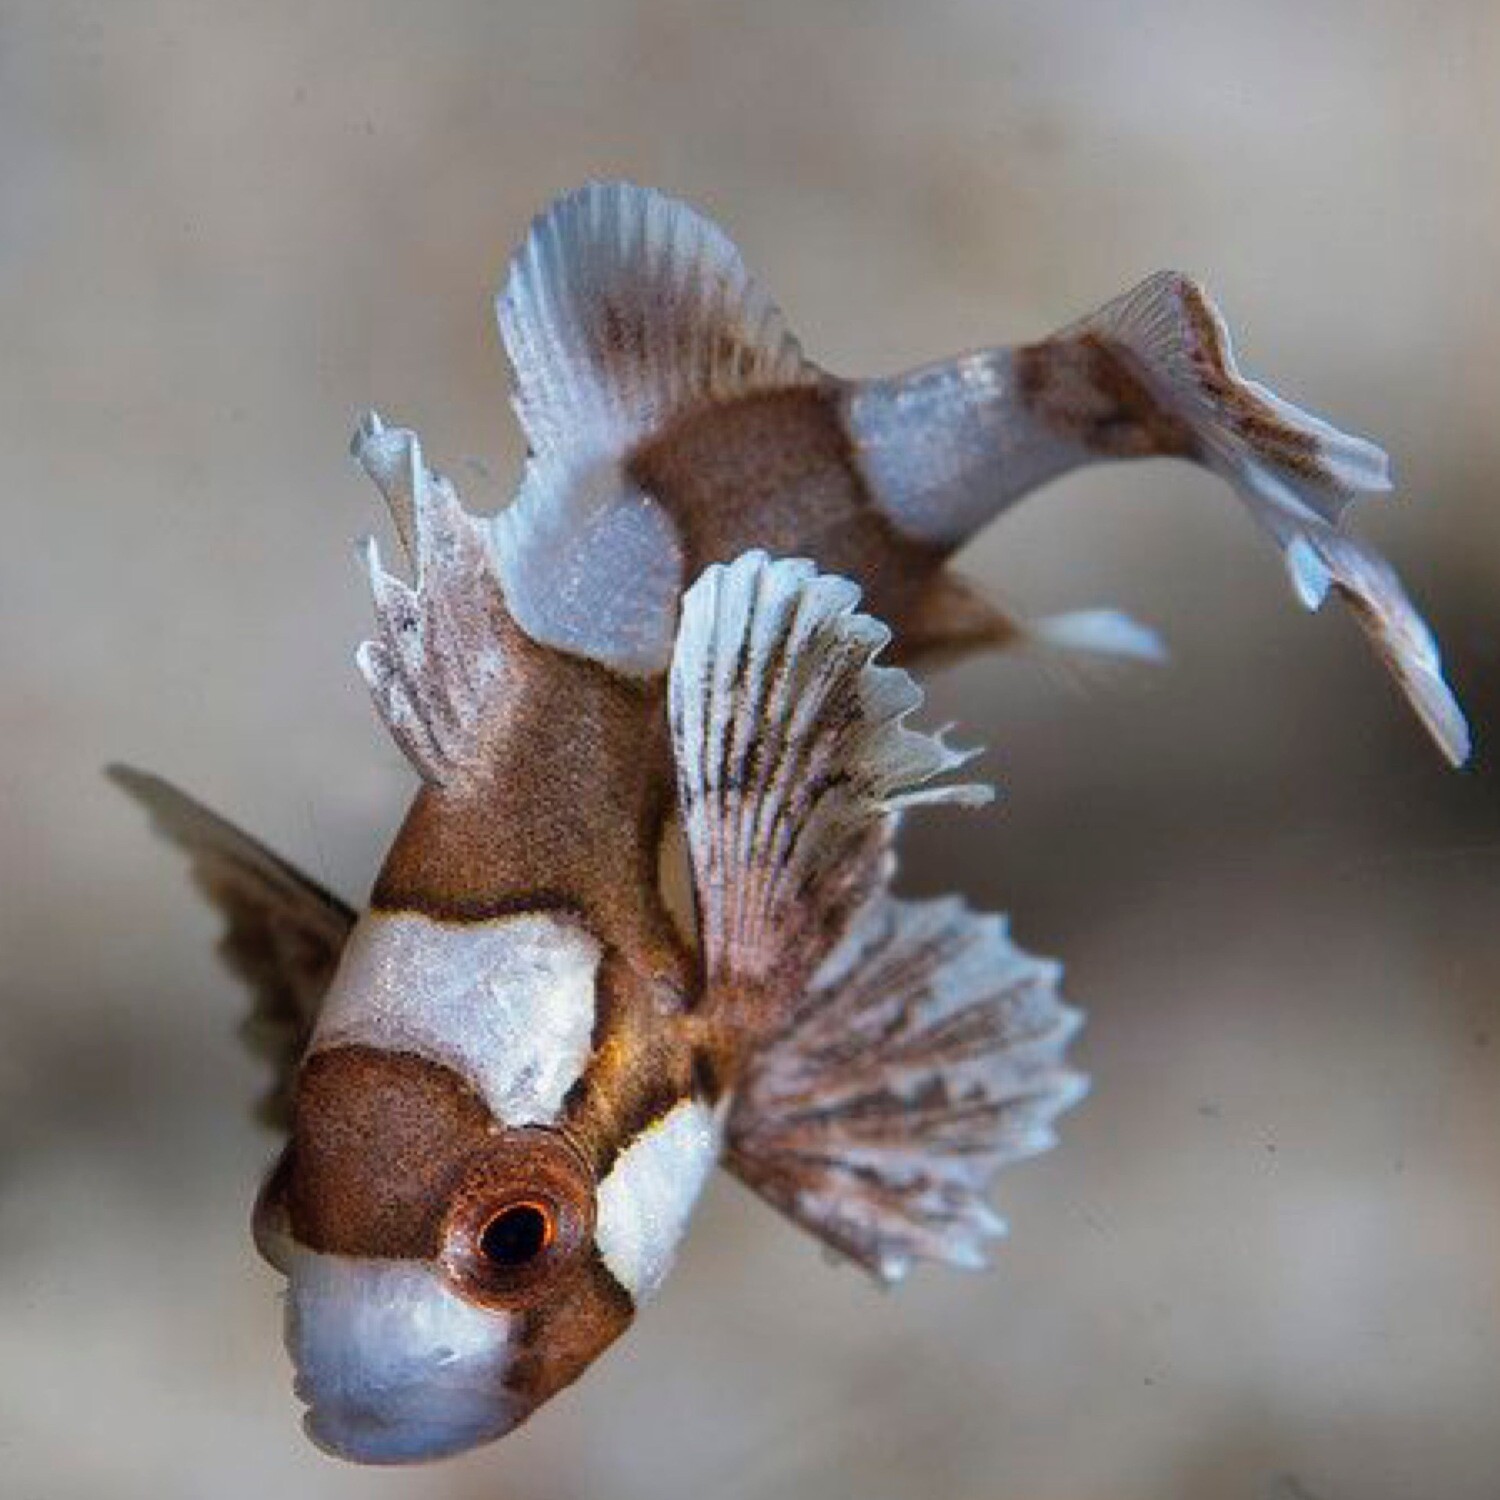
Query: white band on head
column 508, row 1004
column 647, row 1198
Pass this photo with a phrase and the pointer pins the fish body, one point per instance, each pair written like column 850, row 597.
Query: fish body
column 639, row 920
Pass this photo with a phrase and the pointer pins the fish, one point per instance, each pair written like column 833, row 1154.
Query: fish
column 641, row 919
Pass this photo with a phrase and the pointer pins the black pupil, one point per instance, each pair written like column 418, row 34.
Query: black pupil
column 515, row 1237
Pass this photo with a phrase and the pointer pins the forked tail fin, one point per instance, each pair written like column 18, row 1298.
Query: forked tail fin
column 1152, row 374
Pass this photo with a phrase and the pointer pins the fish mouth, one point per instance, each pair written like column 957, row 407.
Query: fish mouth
column 391, row 1435
column 392, row 1365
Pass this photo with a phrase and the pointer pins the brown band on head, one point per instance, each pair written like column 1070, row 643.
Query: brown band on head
column 640, row 1064
column 554, row 1345
column 380, row 1141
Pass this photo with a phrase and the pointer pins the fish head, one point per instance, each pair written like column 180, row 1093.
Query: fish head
column 443, row 1272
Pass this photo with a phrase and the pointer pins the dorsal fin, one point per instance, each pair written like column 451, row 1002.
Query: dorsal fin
column 440, row 670
column 623, row 309
column 626, row 307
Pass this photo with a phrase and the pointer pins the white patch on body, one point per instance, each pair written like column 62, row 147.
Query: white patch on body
column 394, row 1366
column 508, row 1004
column 645, row 1201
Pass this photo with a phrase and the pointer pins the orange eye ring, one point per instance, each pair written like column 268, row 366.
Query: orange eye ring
column 521, row 1217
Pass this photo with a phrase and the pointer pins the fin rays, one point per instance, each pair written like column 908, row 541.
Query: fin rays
column 926, row 1055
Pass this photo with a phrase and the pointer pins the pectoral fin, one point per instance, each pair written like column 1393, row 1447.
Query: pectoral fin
column 926, row 1054
column 793, row 760
column 284, row 934
column 898, row 1052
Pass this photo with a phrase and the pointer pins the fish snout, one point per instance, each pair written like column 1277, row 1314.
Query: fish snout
column 395, row 1367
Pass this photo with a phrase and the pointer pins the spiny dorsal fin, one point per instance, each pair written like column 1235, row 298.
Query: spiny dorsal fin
column 793, row 759
column 439, row 671
column 626, row 307
column 284, row 933
column 926, row 1054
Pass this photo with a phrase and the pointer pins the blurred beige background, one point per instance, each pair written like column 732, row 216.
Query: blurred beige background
column 1266, row 1260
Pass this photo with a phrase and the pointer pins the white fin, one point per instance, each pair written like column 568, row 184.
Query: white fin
column 1296, row 472
column 1319, row 560
column 439, row 671
column 625, row 308
column 793, row 758
column 1273, row 452
column 591, row 565
column 1151, row 374
column 1099, row 632
column 926, row 1054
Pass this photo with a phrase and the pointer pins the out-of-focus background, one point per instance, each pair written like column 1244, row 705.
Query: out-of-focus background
column 1266, row 1259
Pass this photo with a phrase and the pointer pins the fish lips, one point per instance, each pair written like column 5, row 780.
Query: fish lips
column 393, row 1365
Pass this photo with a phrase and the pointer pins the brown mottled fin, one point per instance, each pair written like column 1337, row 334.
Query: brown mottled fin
column 439, row 670
column 926, row 1054
column 284, row 935
column 793, row 760
column 1152, row 374
column 624, row 311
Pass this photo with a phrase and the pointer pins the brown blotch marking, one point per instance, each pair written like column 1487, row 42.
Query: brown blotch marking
column 1096, row 391
column 554, row 1345
column 380, row 1140
column 776, row 469
column 569, row 815
column 1259, row 423
column 1084, row 389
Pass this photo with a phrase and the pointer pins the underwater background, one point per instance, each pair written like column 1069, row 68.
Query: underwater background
column 1265, row 1261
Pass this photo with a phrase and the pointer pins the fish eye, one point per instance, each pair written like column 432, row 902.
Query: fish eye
column 516, row 1235
column 521, row 1218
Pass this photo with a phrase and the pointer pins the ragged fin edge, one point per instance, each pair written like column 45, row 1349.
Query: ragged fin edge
column 793, row 760
column 1296, row 472
column 623, row 310
column 284, row 932
column 1268, row 448
column 927, row 1054
column 439, row 671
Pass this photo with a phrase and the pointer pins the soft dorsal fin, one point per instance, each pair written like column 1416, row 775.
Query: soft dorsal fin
column 793, row 760
column 623, row 310
column 626, row 307
column 440, row 671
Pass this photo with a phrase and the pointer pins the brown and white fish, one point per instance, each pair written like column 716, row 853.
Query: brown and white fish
column 507, row 1079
